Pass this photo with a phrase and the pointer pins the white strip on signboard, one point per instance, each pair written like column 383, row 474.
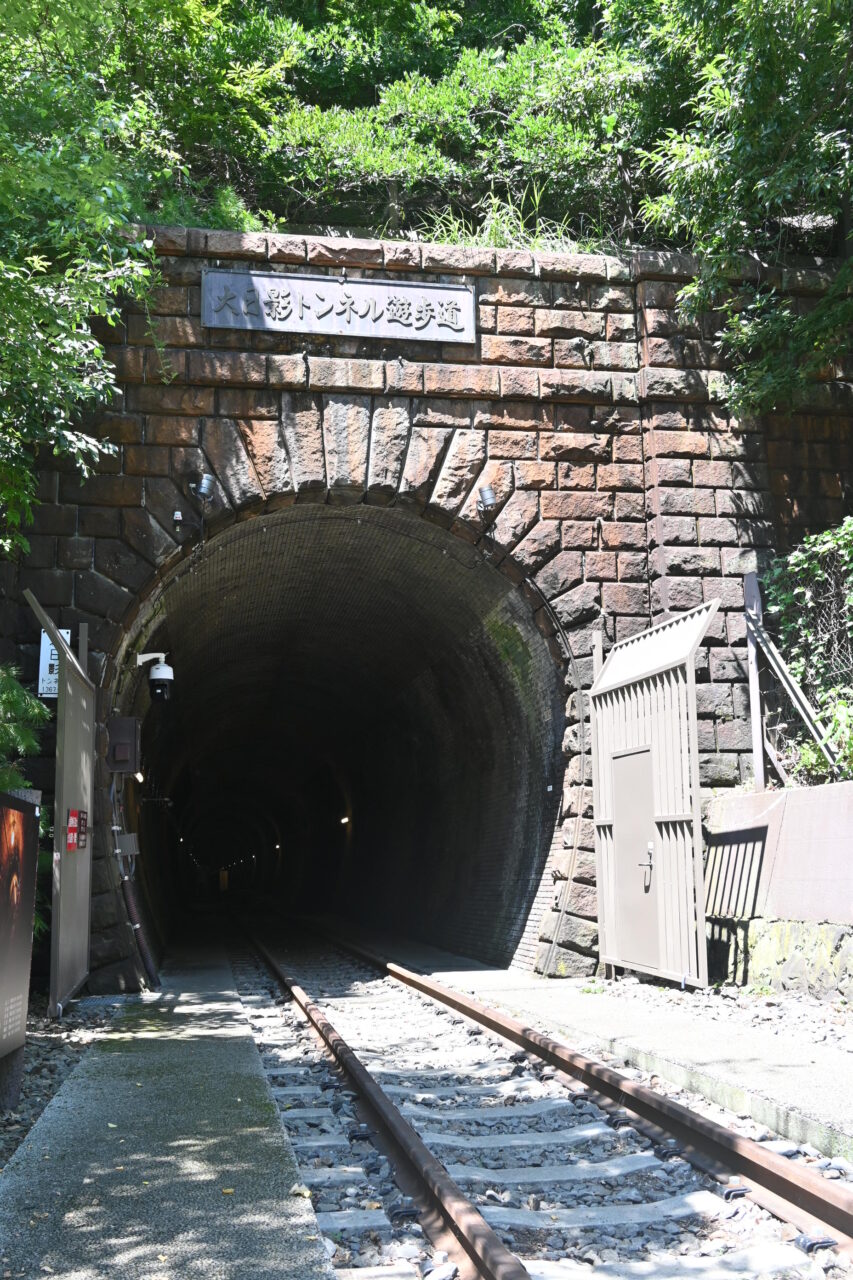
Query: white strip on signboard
column 49, row 665
column 356, row 308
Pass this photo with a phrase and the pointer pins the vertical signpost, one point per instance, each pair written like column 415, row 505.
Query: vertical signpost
column 72, row 854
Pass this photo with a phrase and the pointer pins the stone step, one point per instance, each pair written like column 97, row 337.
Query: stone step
column 695, row 1204
column 484, row 1071
column 397, row 1271
column 583, row 1171
column 488, row 1115
column 318, row 1141
column 307, row 1113
column 273, row 1059
column 284, row 1091
column 747, row 1264
column 353, row 1220
column 491, row 1141
column 336, row 1176
column 462, row 1090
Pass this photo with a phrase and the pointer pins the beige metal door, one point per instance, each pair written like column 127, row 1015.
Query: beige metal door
column 646, row 792
column 636, row 870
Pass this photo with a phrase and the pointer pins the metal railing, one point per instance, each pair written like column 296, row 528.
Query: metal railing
column 769, row 723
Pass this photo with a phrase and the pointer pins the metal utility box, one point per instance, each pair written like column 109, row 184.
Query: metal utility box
column 648, row 832
column 123, row 739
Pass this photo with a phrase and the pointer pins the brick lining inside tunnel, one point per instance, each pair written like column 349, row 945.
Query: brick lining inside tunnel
column 353, row 662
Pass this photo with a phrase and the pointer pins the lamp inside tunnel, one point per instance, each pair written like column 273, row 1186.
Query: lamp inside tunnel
column 331, row 660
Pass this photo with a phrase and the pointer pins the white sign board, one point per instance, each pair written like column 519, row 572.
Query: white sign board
column 49, row 665
column 330, row 304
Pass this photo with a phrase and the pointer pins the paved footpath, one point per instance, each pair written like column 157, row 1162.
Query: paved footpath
column 787, row 1081
column 162, row 1156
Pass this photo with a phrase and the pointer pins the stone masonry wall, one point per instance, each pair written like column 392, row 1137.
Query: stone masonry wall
column 625, row 488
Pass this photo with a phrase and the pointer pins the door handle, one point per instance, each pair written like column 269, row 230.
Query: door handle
column 650, row 848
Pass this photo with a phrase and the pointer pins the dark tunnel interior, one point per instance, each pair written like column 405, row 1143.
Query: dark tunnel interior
column 365, row 722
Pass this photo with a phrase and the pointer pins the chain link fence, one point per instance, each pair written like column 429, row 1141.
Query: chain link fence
column 810, row 600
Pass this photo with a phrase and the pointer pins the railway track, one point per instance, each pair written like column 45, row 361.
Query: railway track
column 404, row 1111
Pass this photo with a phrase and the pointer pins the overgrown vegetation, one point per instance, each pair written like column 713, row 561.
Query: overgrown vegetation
column 21, row 716
column 810, row 598
column 722, row 126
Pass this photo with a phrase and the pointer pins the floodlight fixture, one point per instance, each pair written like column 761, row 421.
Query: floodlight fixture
column 487, row 502
column 203, row 488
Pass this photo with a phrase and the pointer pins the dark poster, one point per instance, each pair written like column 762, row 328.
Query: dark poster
column 18, row 858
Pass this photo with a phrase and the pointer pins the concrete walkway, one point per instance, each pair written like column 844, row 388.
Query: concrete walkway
column 162, row 1156
column 796, row 1087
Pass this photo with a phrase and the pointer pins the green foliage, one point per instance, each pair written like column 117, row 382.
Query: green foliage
column 717, row 125
column 810, row 602
column 44, row 894
column 764, row 167
column 21, row 716
column 811, row 766
column 63, row 259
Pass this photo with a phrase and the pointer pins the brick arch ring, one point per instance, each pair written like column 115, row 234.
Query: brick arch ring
column 439, row 510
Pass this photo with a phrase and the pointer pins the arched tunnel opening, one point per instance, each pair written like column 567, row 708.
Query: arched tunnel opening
column 366, row 722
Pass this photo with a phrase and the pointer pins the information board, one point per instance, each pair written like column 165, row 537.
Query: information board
column 49, row 665
column 357, row 308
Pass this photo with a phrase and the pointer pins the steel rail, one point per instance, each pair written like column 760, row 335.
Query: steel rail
column 483, row 1246
column 789, row 1191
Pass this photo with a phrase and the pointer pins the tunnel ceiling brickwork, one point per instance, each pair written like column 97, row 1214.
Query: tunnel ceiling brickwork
column 323, row 609
column 624, row 486
column 386, row 652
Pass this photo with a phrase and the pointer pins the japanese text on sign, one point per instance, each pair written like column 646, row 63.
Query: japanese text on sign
column 76, row 829
column 327, row 304
column 49, row 666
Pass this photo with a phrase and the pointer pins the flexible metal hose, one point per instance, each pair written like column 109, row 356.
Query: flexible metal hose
column 565, row 893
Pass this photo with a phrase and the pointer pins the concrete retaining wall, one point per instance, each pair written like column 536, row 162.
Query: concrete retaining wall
column 779, row 881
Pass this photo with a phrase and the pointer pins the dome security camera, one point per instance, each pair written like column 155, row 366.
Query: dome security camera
column 161, row 677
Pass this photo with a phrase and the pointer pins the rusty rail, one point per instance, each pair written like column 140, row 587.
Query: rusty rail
column 791, row 1192
column 482, row 1244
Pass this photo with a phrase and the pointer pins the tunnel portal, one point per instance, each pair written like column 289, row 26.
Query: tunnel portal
column 366, row 722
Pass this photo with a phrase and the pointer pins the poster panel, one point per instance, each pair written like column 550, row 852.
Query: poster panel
column 18, row 864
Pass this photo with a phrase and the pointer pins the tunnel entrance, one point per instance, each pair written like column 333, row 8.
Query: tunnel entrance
column 366, row 721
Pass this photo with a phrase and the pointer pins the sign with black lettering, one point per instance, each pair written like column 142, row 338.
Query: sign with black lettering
column 332, row 305
column 49, row 665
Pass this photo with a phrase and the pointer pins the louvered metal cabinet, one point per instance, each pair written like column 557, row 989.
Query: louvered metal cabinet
column 648, row 831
